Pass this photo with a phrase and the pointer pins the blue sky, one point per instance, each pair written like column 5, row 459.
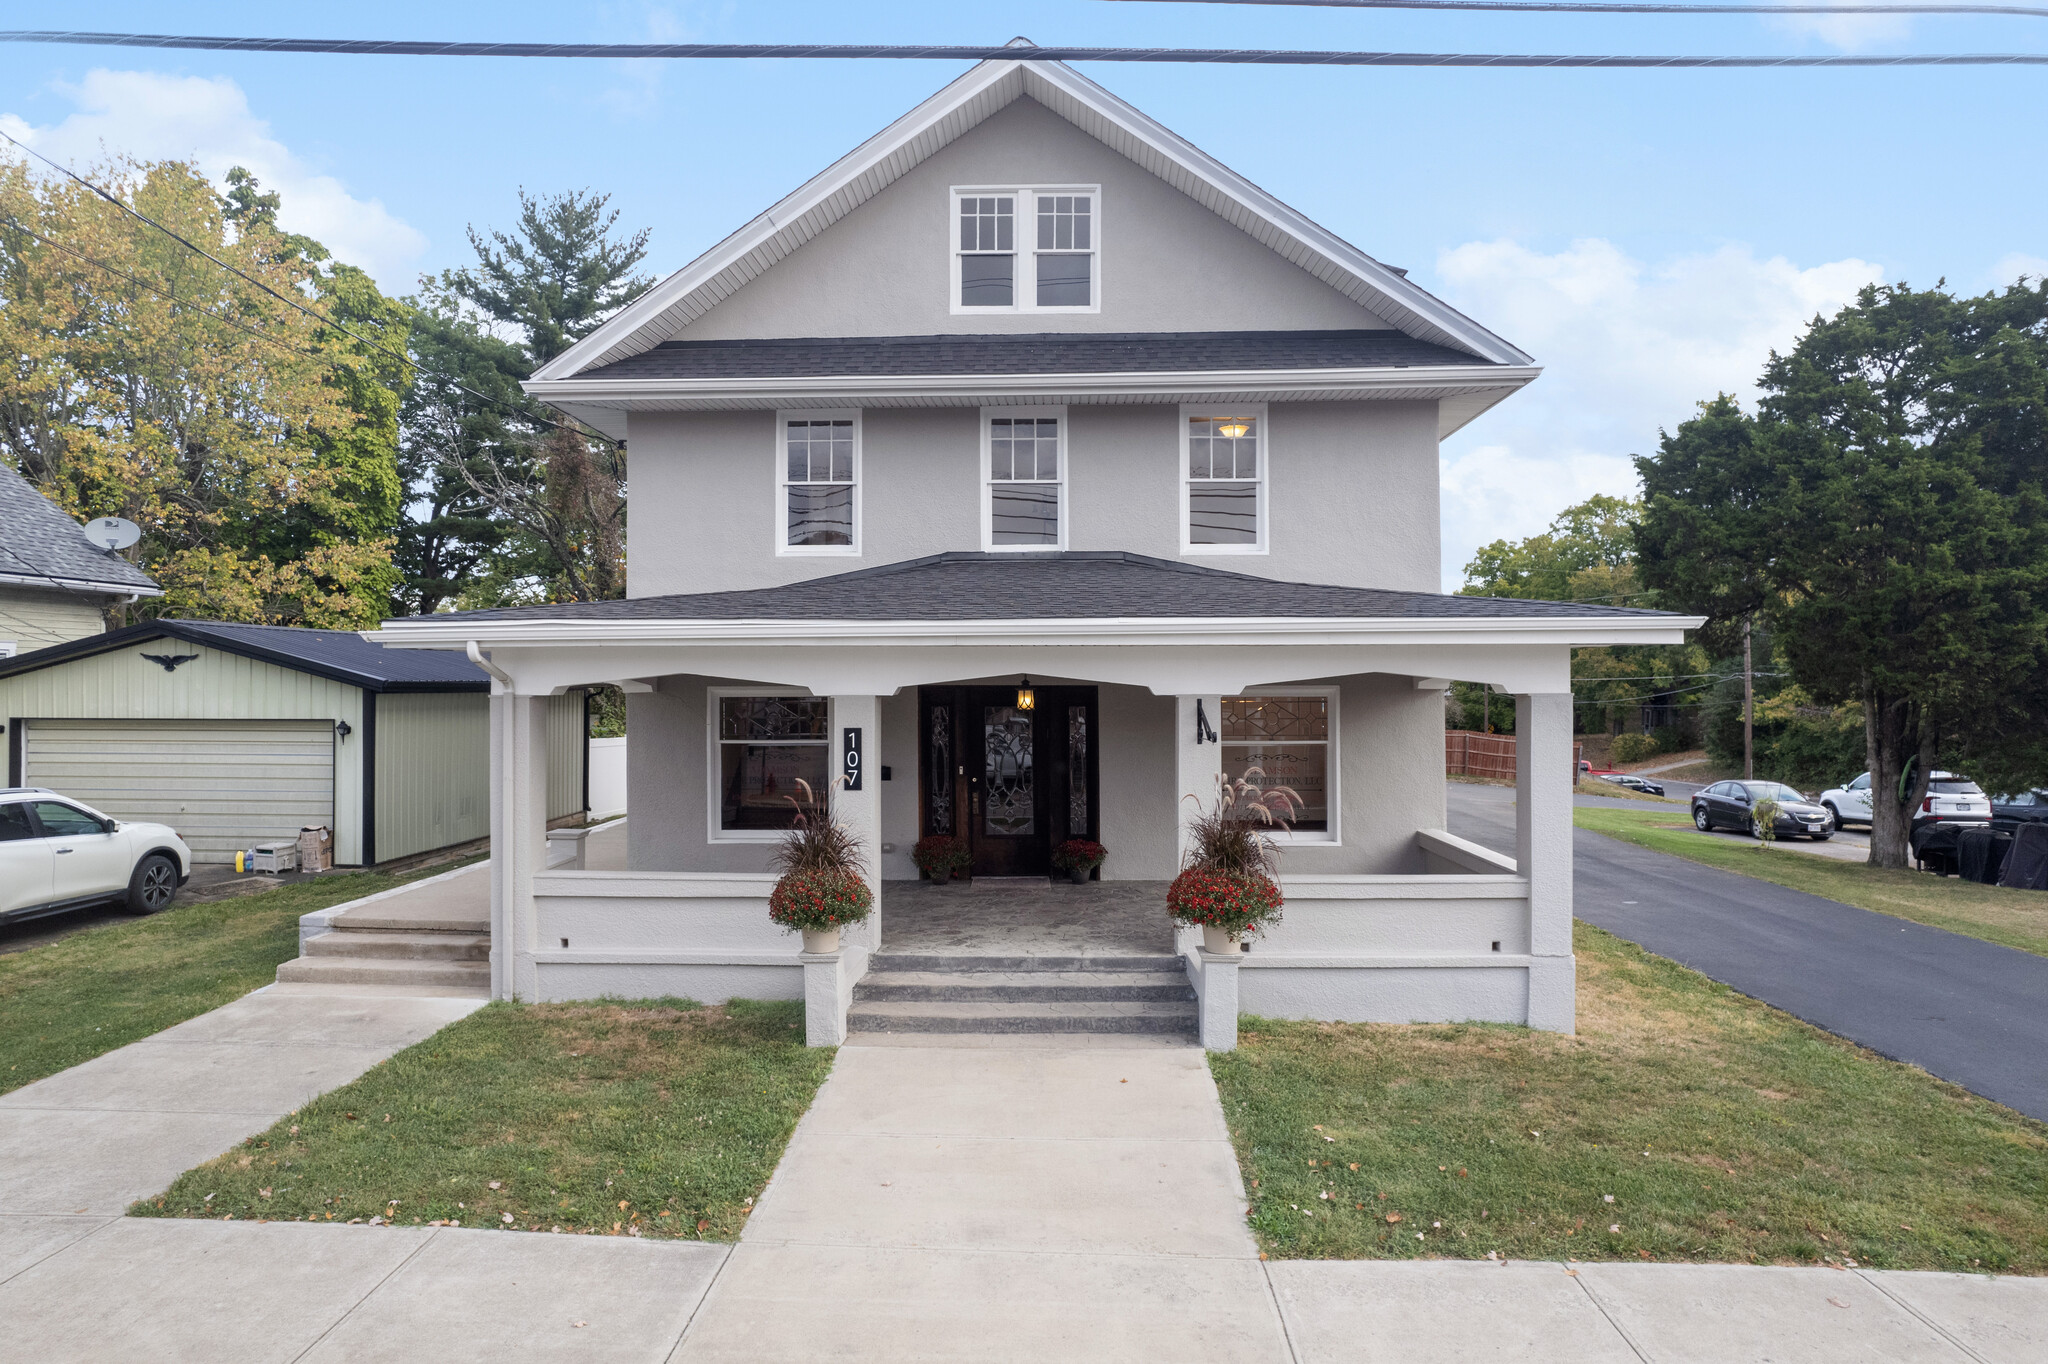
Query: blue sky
column 1649, row 235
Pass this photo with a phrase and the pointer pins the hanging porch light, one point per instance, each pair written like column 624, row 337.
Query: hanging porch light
column 1026, row 698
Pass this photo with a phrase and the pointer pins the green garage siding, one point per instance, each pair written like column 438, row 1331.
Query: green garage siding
column 433, row 771
column 568, row 728
column 223, row 787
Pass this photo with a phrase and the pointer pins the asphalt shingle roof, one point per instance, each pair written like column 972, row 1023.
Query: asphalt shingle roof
column 1073, row 585
column 342, row 655
column 37, row 540
column 1032, row 353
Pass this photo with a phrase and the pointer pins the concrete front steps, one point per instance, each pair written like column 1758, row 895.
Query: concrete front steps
column 940, row 993
column 414, row 950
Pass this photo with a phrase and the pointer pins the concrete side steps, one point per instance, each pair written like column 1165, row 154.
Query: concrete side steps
column 386, row 971
column 1034, row 986
column 953, row 1016
column 435, row 947
column 370, row 919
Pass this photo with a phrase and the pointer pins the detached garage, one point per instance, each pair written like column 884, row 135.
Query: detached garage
column 242, row 734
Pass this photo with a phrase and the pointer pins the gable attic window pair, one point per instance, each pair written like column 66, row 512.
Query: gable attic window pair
column 1057, row 274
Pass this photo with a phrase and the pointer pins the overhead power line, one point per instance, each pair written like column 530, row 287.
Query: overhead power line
column 1626, row 7
column 280, row 296
column 373, row 47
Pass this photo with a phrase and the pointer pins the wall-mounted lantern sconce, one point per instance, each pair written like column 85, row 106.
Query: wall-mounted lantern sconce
column 1027, row 699
column 342, row 729
column 1204, row 731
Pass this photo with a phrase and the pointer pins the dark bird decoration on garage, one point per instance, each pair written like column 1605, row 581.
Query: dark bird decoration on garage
column 169, row 662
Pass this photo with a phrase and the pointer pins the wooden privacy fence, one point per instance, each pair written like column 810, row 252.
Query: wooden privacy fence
column 1468, row 753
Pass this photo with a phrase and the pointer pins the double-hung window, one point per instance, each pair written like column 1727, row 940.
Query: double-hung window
column 1287, row 737
column 1027, row 250
column 767, row 747
column 1024, row 478
column 1223, row 480
column 817, row 459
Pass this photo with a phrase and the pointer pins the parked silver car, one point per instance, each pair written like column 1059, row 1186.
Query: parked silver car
column 57, row 854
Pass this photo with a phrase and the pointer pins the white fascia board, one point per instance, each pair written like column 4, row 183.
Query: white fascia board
column 427, row 632
column 58, row 582
column 865, row 171
column 1379, row 382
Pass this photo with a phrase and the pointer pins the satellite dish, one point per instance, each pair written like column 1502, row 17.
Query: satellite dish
column 112, row 532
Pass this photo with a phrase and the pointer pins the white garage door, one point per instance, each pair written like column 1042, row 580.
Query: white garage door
column 222, row 786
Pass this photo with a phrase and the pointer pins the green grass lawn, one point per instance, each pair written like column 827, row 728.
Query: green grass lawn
column 661, row 1118
column 73, row 999
column 2013, row 918
column 1722, row 1129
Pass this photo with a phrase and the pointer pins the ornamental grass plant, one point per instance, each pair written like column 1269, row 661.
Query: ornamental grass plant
column 1229, row 878
column 821, row 886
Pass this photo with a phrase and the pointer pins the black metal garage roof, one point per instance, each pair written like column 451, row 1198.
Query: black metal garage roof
column 340, row 655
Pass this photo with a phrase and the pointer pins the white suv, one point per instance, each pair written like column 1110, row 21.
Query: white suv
column 1950, row 799
column 58, row 854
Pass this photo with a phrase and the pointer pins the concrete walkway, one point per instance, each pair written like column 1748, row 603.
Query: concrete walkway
column 1018, row 1202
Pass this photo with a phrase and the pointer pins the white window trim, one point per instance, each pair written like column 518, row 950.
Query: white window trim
column 781, row 453
column 988, row 543
column 1334, row 768
column 1024, row 242
column 714, row 794
column 1264, row 480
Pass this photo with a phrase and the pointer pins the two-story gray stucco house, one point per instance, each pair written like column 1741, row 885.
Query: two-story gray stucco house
column 1027, row 387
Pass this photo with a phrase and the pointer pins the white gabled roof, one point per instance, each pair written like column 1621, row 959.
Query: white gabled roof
column 665, row 310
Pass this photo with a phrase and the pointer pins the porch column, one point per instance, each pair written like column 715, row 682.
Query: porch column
column 519, row 836
column 1197, row 760
column 1544, row 778
column 861, row 811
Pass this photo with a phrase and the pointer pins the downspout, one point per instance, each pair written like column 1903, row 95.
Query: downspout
column 482, row 660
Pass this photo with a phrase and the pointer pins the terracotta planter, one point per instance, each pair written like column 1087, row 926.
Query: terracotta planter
column 1216, row 939
column 819, row 941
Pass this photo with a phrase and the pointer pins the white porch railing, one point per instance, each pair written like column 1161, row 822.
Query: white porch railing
column 1449, row 944
column 705, row 936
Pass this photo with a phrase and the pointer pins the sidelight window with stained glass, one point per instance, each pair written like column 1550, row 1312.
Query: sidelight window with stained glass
column 1025, row 472
column 1223, row 469
column 1288, row 739
column 818, row 467
column 767, row 749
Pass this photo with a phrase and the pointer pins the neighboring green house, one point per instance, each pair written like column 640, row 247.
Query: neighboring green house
column 55, row 585
column 242, row 734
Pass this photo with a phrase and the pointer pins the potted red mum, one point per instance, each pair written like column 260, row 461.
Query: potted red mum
column 1078, row 858
column 941, row 857
column 821, row 889
column 1229, row 884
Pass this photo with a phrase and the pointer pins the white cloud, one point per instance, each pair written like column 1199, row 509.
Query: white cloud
column 1627, row 348
column 208, row 121
column 2013, row 265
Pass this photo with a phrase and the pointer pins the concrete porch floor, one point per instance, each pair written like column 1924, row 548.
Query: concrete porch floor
column 1026, row 917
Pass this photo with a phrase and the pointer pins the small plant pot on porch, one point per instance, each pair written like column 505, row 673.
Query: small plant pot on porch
column 1078, row 858
column 821, row 941
column 1216, row 939
column 819, row 904
column 943, row 860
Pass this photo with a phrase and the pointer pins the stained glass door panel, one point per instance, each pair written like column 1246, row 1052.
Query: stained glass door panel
column 1009, row 775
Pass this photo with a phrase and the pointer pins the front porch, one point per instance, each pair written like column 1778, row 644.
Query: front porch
column 1017, row 701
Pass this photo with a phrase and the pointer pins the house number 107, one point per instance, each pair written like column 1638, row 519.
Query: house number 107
column 849, row 759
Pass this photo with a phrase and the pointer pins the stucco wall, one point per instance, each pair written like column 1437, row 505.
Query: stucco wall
column 1353, row 489
column 1167, row 263
column 1390, row 755
column 30, row 619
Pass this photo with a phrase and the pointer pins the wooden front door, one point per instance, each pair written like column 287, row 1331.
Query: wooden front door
column 1013, row 782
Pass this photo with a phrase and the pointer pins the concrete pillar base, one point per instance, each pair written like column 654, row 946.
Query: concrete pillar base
column 1553, row 994
column 827, row 996
column 1215, row 983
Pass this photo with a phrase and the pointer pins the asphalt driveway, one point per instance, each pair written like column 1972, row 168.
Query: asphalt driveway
column 1971, row 1012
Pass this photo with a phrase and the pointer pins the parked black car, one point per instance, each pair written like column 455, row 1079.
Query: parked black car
column 1633, row 783
column 2028, row 807
column 1732, row 805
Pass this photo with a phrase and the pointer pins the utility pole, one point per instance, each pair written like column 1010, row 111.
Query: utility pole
column 1748, row 710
